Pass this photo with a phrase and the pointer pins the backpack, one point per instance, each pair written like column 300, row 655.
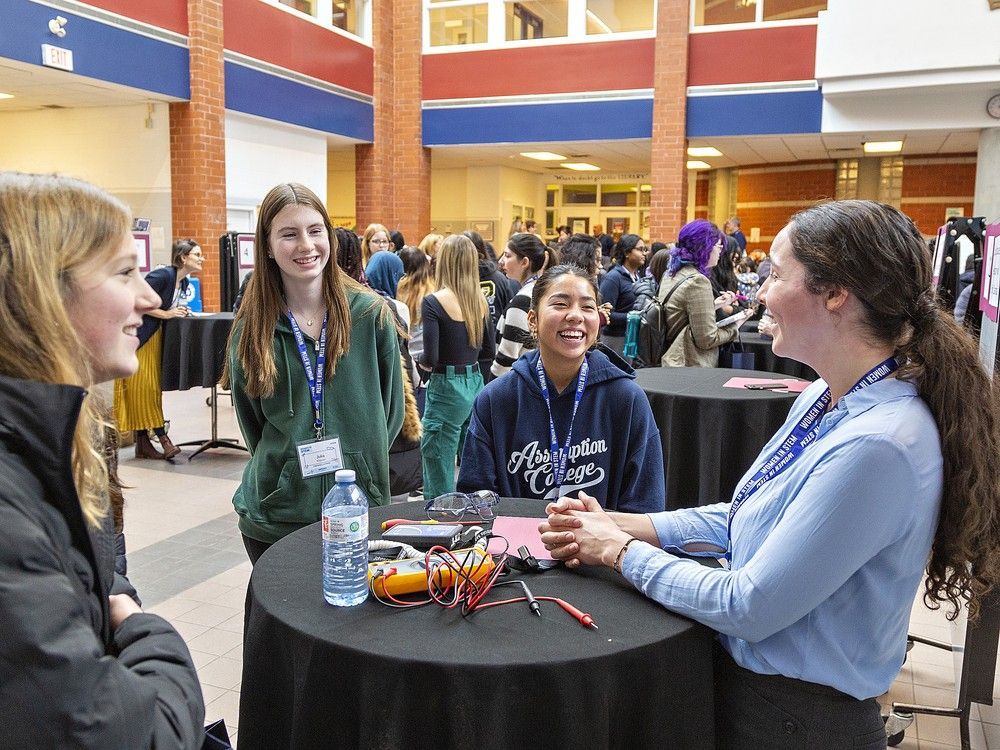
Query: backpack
column 644, row 290
column 652, row 341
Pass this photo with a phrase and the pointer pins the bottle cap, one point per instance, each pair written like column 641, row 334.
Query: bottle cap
column 344, row 475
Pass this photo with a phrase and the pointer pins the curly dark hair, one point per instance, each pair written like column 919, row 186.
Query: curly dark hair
column 876, row 252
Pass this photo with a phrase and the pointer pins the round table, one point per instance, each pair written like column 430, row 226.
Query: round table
column 710, row 434
column 194, row 351
column 765, row 360
column 317, row 676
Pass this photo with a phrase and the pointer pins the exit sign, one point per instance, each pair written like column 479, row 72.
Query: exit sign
column 57, row 57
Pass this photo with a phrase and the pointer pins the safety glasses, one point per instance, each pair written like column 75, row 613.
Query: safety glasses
column 455, row 506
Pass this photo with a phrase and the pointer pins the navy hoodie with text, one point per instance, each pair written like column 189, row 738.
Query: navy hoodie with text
column 615, row 453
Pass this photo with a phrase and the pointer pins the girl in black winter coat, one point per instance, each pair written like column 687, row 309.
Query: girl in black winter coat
column 81, row 665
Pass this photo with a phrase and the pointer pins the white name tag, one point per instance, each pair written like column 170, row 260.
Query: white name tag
column 317, row 457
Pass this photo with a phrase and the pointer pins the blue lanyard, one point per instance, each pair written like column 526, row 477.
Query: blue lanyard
column 559, row 457
column 315, row 380
column 801, row 436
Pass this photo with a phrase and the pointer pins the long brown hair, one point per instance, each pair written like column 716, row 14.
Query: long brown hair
column 417, row 283
column 877, row 253
column 264, row 299
column 458, row 270
column 366, row 242
column 52, row 229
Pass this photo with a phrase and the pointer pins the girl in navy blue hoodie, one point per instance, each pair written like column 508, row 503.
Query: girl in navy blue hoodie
column 569, row 418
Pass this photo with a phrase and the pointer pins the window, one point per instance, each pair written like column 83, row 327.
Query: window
column 645, row 195
column 305, row 6
column 847, row 179
column 352, row 16
column 462, row 24
column 890, row 183
column 535, row 19
column 720, row 12
column 495, row 22
column 786, row 10
column 613, row 16
column 619, row 195
column 550, row 195
column 580, row 194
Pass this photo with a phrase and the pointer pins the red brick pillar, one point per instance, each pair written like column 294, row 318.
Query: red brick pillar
column 393, row 175
column 669, row 158
column 198, row 146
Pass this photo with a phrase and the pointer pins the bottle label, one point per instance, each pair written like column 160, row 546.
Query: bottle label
column 350, row 529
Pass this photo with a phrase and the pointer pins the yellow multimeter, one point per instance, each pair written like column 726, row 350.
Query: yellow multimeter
column 411, row 575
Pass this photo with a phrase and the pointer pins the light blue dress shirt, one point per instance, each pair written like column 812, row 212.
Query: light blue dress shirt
column 826, row 557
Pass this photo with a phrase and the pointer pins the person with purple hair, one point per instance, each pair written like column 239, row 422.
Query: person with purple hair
column 686, row 296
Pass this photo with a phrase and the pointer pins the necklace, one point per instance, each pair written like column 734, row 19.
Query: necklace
column 311, row 319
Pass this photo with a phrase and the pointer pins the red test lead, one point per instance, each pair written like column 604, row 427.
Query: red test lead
column 582, row 617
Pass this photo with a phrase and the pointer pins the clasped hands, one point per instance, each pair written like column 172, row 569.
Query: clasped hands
column 579, row 531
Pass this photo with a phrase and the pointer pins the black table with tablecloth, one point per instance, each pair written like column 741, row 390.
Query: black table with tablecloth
column 767, row 361
column 710, row 434
column 194, row 351
column 317, row 676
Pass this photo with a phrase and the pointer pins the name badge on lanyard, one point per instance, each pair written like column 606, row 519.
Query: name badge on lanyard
column 559, row 457
column 320, row 455
column 802, row 436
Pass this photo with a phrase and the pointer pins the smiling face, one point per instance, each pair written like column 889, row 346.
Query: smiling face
column 299, row 243
column 801, row 317
column 194, row 260
column 566, row 321
column 107, row 302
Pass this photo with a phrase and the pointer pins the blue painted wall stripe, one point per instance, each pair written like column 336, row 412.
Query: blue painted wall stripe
column 100, row 51
column 255, row 92
column 523, row 123
column 755, row 114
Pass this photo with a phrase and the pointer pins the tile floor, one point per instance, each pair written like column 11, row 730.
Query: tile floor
column 187, row 561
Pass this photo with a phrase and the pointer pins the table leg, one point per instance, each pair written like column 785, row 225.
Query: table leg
column 215, row 441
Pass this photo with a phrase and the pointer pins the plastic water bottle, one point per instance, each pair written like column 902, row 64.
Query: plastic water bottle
column 345, row 542
column 631, row 348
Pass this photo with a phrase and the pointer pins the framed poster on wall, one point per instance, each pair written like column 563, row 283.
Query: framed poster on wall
column 244, row 248
column 579, row 224
column 142, row 244
column 484, row 229
column 618, row 225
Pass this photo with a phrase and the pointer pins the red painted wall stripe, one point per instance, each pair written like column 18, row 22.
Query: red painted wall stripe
column 166, row 14
column 782, row 53
column 552, row 69
column 267, row 33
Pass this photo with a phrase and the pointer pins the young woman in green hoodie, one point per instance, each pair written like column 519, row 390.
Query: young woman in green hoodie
column 310, row 347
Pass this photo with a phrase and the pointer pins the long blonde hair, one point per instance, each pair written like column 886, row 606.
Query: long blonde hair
column 52, row 229
column 458, row 270
column 366, row 241
column 264, row 299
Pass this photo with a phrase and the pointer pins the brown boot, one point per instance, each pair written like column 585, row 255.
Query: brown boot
column 169, row 449
column 144, row 447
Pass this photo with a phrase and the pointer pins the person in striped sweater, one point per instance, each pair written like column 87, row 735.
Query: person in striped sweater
column 522, row 260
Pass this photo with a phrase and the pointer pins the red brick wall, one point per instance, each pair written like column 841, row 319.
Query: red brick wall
column 668, row 170
column 198, row 147
column 930, row 185
column 393, row 175
column 767, row 196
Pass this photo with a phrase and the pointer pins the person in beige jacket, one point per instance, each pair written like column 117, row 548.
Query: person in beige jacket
column 686, row 295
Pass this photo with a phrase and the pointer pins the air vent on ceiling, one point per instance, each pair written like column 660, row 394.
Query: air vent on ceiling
column 53, row 106
column 578, row 156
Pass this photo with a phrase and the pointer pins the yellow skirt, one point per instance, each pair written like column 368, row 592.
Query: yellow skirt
column 138, row 399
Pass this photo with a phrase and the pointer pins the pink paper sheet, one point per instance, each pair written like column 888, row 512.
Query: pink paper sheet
column 792, row 385
column 518, row 531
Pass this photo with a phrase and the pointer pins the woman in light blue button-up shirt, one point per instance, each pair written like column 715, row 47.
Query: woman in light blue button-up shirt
column 878, row 474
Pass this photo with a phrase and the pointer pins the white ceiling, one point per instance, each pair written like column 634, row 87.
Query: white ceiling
column 35, row 87
column 634, row 156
